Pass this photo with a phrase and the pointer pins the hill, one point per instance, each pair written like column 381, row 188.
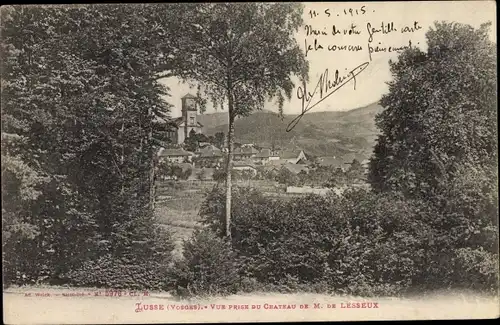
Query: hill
column 318, row 133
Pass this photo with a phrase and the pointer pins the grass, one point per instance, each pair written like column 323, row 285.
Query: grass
column 179, row 203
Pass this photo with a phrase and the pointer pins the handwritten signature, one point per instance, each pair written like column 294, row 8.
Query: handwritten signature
column 326, row 88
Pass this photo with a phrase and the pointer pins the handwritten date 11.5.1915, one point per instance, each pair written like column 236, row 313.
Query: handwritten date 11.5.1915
column 325, row 87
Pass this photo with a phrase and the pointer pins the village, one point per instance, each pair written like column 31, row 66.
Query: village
column 191, row 163
column 164, row 157
column 193, row 156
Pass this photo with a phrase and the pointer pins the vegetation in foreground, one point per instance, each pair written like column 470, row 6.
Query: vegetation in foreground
column 78, row 142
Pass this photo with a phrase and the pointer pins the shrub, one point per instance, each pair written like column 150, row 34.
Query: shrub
column 365, row 242
column 476, row 268
column 111, row 272
column 208, row 267
column 140, row 262
column 362, row 243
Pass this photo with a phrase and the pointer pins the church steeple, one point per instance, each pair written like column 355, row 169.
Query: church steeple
column 189, row 112
column 189, row 102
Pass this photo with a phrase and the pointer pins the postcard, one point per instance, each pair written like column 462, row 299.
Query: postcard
column 249, row 162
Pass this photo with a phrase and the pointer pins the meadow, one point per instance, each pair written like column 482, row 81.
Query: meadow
column 178, row 203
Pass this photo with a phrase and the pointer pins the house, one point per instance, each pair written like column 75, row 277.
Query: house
column 204, row 144
column 296, row 168
column 210, row 156
column 245, row 166
column 174, row 155
column 265, row 156
column 336, row 162
column 244, row 153
column 293, row 156
column 179, row 129
column 342, row 162
column 275, row 164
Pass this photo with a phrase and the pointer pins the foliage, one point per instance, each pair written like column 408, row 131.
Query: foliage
column 440, row 112
column 242, row 54
column 200, row 175
column 79, row 100
column 110, row 272
column 169, row 170
column 219, row 140
column 219, row 175
column 439, row 143
column 208, row 267
column 192, row 143
column 355, row 172
column 285, row 176
column 362, row 243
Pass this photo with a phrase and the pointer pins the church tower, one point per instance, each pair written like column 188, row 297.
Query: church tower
column 189, row 112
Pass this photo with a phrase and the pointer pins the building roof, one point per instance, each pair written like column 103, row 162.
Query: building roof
column 174, row 153
column 178, row 121
column 189, row 95
column 210, row 151
column 289, row 154
column 294, row 168
column 265, row 153
column 245, row 151
column 341, row 162
column 331, row 161
column 275, row 164
column 243, row 164
column 166, row 121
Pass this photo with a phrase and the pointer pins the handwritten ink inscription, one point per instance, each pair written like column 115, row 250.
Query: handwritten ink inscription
column 352, row 32
column 325, row 87
column 320, row 42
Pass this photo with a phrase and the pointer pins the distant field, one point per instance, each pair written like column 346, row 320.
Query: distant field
column 178, row 203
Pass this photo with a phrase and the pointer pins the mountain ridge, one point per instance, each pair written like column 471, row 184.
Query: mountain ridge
column 318, row 133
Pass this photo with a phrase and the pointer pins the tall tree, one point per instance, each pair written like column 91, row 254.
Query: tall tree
column 79, row 97
column 440, row 112
column 219, row 139
column 242, row 54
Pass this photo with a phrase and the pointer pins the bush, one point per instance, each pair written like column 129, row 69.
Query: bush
column 137, row 263
column 111, row 272
column 362, row 243
column 209, row 267
column 476, row 268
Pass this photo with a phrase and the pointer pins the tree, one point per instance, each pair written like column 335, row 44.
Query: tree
column 241, row 54
column 219, row 140
column 219, row 175
column 79, row 99
column 192, row 143
column 200, row 175
column 440, row 112
column 356, row 171
column 285, row 176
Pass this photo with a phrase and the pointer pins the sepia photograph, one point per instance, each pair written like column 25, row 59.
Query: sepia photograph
column 246, row 162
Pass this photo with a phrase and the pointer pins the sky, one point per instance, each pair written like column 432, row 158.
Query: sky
column 410, row 21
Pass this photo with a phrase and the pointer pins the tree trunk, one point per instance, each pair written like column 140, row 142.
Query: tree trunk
column 152, row 167
column 122, row 155
column 229, row 166
column 152, row 187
